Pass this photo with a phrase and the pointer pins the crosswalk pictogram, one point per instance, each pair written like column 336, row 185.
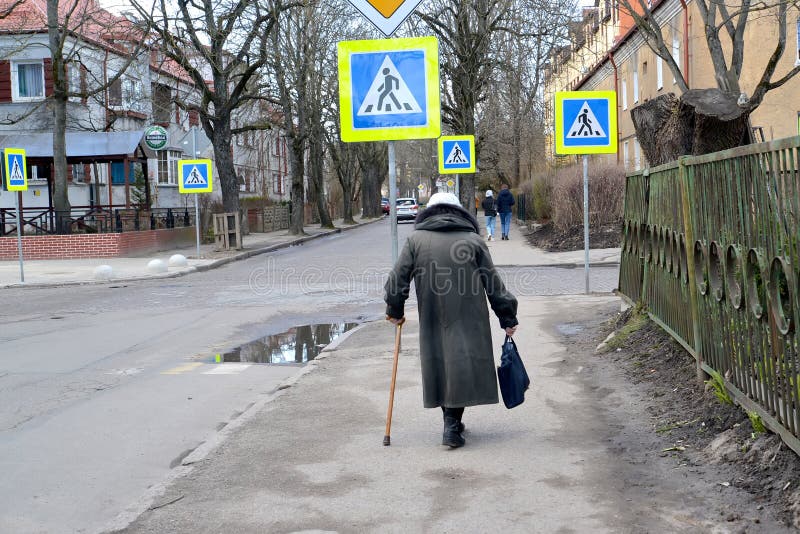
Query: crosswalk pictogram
column 586, row 124
column 388, row 93
column 456, row 156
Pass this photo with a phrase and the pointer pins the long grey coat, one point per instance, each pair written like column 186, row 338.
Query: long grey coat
column 453, row 274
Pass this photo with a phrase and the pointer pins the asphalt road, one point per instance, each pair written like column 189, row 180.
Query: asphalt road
column 104, row 389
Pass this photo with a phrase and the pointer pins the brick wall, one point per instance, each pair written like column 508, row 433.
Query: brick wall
column 63, row 247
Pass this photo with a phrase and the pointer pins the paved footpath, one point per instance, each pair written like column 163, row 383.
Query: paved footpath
column 309, row 457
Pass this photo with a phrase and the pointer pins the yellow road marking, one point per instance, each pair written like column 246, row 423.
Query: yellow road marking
column 182, row 368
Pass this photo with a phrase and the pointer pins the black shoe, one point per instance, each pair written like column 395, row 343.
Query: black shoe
column 452, row 433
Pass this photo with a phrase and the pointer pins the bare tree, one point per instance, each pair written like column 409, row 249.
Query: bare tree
column 705, row 120
column 222, row 45
column 477, row 39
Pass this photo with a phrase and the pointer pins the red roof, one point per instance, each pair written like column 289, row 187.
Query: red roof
column 89, row 21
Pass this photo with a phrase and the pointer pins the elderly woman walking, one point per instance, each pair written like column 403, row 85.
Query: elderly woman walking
column 453, row 275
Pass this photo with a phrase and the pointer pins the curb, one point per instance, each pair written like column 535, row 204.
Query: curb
column 566, row 265
column 199, row 268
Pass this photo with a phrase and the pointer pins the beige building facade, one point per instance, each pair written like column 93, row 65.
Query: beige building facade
column 608, row 53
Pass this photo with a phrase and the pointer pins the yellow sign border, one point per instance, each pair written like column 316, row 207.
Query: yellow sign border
column 469, row 139
column 350, row 134
column 182, row 163
column 612, row 146
column 19, row 152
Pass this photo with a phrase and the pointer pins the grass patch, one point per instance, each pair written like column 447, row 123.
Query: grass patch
column 636, row 322
column 757, row 423
column 717, row 384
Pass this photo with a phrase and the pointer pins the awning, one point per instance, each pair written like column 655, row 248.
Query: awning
column 87, row 145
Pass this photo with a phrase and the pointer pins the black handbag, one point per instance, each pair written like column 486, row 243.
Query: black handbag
column 512, row 375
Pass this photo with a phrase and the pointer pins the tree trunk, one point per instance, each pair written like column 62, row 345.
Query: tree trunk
column 347, row 201
column 318, row 183
column 373, row 161
column 701, row 121
column 228, row 181
column 297, row 168
column 60, row 186
column 372, row 176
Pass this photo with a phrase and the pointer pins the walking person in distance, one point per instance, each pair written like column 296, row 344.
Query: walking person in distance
column 504, row 202
column 453, row 274
column 490, row 212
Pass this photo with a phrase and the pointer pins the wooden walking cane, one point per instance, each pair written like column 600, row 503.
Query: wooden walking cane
column 387, row 440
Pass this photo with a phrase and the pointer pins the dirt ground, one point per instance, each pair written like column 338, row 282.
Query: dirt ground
column 548, row 237
column 692, row 428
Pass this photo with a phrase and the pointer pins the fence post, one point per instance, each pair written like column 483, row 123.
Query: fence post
column 684, row 177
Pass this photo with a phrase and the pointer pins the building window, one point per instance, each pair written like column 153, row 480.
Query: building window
column 27, row 80
column 168, row 167
column 75, row 81
column 797, row 31
column 277, row 184
column 676, row 45
column 126, row 93
column 624, row 95
column 659, row 73
column 625, row 155
column 635, row 78
column 637, row 155
column 79, row 173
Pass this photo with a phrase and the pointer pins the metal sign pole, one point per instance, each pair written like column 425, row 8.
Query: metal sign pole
column 393, row 201
column 586, row 218
column 197, row 222
column 196, row 199
column 19, row 239
column 458, row 188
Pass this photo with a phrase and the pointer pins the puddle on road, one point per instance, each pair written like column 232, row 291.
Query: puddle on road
column 569, row 329
column 297, row 345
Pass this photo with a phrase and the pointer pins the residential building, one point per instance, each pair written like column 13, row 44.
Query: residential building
column 617, row 58
column 102, row 170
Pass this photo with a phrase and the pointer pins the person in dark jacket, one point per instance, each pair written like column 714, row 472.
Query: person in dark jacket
column 453, row 275
column 490, row 212
column 504, row 202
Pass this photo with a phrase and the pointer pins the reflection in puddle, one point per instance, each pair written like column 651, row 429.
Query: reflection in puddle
column 297, row 345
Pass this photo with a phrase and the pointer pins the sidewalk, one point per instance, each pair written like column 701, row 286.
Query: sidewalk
column 517, row 252
column 42, row 273
column 578, row 456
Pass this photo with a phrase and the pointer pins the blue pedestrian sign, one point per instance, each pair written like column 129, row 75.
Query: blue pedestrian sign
column 16, row 174
column 195, row 176
column 586, row 122
column 457, row 154
column 389, row 89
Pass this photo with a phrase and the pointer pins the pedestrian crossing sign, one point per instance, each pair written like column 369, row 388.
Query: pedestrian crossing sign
column 195, row 176
column 389, row 89
column 16, row 173
column 456, row 154
column 586, row 122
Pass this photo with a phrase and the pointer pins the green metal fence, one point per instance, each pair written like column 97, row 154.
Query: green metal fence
column 710, row 246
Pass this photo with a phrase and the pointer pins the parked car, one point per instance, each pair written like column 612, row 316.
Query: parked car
column 385, row 206
column 407, row 208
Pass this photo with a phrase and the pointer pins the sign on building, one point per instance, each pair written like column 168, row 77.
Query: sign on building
column 195, row 176
column 389, row 89
column 16, row 173
column 456, row 154
column 586, row 122
column 156, row 137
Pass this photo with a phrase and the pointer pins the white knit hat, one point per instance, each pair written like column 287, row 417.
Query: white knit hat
column 489, row 193
column 443, row 198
